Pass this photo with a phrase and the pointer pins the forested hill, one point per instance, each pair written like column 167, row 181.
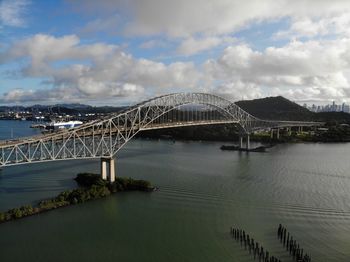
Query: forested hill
column 280, row 108
column 277, row 108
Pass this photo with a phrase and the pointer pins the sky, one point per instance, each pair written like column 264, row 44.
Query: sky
column 120, row 52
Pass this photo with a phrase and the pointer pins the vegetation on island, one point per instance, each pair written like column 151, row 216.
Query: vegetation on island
column 92, row 187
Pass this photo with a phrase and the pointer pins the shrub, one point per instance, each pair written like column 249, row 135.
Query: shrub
column 89, row 179
column 15, row 213
column 27, row 210
column 2, row 217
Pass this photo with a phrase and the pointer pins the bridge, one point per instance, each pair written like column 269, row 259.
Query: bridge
column 105, row 137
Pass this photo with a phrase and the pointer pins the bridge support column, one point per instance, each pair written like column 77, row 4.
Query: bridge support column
column 240, row 141
column 104, row 169
column 278, row 133
column 248, row 142
column 111, row 169
column 271, row 133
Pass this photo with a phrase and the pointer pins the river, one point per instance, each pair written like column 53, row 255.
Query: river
column 203, row 191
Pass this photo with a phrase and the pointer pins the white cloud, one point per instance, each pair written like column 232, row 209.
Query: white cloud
column 91, row 71
column 153, row 44
column 12, row 12
column 52, row 95
column 199, row 25
column 337, row 24
column 183, row 18
column 110, row 25
column 318, row 68
column 101, row 71
column 300, row 70
column 238, row 90
column 191, row 46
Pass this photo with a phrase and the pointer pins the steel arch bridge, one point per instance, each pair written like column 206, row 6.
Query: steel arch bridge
column 104, row 138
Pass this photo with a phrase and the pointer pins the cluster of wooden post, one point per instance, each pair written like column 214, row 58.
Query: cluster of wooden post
column 254, row 248
column 291, row 245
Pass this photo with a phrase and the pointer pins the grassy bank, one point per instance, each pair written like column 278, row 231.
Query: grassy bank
column 91, row 187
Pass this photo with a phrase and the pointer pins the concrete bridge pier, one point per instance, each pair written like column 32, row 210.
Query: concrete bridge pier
column 104, row 169
column 108, row 169
column 248, row 142
column 240, row 141
column 277, row 133
column 247, row 145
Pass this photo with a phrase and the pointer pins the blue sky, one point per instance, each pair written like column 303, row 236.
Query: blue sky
column 120, row 52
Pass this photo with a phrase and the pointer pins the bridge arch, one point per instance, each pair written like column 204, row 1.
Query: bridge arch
column 222, row 106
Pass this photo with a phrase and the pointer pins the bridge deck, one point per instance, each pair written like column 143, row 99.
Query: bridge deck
column 61, row 134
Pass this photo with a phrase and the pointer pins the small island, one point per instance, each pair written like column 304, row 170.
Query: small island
column 91, row 187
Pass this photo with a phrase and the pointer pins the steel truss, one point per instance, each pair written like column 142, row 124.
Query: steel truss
column 104, row 138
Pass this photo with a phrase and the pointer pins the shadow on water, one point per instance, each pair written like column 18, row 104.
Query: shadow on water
column 14, row 172
column 12, row 190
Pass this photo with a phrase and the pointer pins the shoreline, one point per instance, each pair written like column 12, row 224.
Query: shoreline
column 252, row 139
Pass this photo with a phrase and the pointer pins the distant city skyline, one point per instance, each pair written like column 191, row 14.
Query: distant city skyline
column 333, row 107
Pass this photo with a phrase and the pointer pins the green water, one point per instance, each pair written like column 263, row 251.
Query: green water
column 203, row 191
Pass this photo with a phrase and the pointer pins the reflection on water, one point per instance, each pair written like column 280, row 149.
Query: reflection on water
column 203, row 191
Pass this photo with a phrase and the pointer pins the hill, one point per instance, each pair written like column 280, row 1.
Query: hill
column 280, row 108
column 277, row 108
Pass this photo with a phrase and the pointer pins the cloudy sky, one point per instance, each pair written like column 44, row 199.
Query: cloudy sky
column 118, row 52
